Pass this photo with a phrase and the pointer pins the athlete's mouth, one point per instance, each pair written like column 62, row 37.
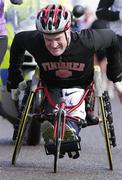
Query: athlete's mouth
column 55, row 49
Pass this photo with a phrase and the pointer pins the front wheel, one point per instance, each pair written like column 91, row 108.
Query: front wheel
column 58, row 137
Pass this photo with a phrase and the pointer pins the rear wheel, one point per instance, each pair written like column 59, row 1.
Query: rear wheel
column 109, row 118
column 106, row 132
column 24, row 123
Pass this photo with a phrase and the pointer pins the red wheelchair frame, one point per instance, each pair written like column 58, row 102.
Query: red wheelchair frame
column 59, row 126
column 62, row 105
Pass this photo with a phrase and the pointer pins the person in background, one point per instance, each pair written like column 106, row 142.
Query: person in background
column 3, row 33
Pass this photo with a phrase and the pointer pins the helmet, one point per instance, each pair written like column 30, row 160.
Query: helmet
column 78, row 11
column 53, row 19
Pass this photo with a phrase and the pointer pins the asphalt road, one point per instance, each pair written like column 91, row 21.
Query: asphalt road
column 34, row 164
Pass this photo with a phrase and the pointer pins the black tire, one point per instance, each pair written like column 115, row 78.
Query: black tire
column 109, row 118
column 19, row 141
column 106, row 134
column 24, row 123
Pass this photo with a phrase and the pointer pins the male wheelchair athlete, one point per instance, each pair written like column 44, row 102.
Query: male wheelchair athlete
column 61, row 114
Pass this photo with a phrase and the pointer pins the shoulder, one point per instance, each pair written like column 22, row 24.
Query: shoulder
column 84, row 37
column 92, row 33
column 29, row 35
column 96, row 38
column 83, row 34
column 33, row 33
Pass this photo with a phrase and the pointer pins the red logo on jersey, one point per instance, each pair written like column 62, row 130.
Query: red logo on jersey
column 63, row 73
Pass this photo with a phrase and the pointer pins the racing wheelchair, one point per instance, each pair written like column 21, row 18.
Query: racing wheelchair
column 61, row 114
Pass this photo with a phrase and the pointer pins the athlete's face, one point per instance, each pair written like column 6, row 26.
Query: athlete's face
column 55, row 43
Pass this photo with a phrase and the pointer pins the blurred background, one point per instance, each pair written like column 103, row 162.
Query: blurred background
column 27, row 11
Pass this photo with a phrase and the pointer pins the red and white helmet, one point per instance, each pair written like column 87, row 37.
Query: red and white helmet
column 53, row 19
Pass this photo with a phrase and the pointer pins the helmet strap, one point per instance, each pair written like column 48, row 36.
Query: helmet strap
column 67, row 39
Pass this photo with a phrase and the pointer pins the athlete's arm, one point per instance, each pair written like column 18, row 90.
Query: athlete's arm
column 105, row 39
column 16, row 59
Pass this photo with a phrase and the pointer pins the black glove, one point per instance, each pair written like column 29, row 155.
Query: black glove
column 16, row 2
column 14, row 78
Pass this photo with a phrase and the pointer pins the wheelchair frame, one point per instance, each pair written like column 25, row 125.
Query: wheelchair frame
column 59, row 126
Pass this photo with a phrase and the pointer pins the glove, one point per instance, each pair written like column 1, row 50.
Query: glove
column 120, row 15
column 13, row 79
column 16, row 2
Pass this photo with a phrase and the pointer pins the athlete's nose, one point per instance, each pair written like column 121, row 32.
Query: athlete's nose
column 54, row 44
